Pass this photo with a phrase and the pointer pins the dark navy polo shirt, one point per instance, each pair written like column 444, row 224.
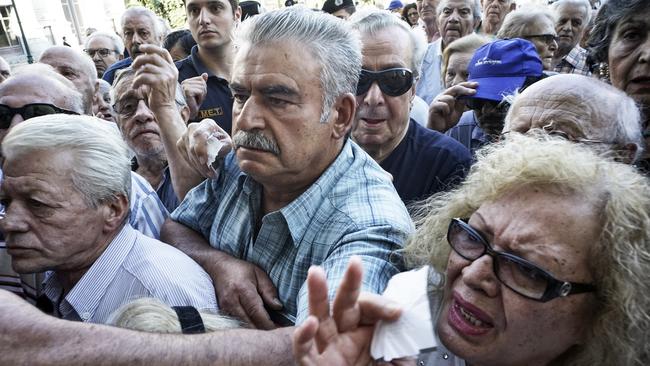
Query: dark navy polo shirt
column 109, row 74
column 217, row 104
column 426, row 162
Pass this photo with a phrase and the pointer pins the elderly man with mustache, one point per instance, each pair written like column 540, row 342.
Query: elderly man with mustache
column 296, row 191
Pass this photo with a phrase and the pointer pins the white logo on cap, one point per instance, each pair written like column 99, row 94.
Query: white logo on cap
column 338, row 2
column 487, row 61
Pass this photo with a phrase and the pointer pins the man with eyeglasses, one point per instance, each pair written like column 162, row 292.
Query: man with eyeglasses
column 572, row 18
column 38, row 90
column 139, row 26
column 105, row 49
column 150, row 132
column 591, row 112
column 496, row 70
column 422, row 162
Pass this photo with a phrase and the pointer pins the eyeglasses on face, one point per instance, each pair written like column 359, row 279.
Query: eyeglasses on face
column 518, row 274
column 28, row 111
column 127, row 107
column 546, row 38
column 103, row 52
column 392, row 82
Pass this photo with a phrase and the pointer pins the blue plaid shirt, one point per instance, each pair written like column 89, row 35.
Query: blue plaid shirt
column 351, row 209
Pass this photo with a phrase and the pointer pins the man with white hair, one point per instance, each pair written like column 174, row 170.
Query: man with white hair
column 139, row 26
column 105, row 49
column 572, row 18
column 421, row 161
column 66, row 189
column 494, row 12
column 456, row 19
column 590, row 112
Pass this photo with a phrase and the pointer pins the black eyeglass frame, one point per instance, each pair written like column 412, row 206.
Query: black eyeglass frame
column 555, row 287
column 92, row 53
column 378, row 76
column 5, row 124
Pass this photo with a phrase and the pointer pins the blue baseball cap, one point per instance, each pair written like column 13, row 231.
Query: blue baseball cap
column 395, row 4
column 501, row 67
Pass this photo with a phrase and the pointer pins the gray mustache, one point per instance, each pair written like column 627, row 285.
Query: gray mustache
column 255, row 140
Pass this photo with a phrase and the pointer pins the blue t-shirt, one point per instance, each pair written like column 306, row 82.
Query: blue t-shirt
column 109, row 74
column 217, row 104
column 426, row 162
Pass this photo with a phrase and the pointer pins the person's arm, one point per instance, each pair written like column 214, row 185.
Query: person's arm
column 242, row 288
column 446, row 108
column 340, row 337
column 155, row 70
column 29, row 337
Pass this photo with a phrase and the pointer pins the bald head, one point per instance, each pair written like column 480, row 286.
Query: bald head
column 38, row 83
column 587, row 110
column 75, row 66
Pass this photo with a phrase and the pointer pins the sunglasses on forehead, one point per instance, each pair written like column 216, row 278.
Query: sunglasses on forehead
column 28, row 111
column 392, row 82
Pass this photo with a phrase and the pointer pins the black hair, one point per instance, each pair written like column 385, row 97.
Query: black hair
column 182, row 37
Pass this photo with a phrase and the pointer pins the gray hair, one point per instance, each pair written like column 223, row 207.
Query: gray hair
column 118, row 44
column 128, row 73
column 625, row 117
column 517, row 23
column 73, row 98
column 329, row 40
column 583, row 3
column 475, row 5
column 372, row 21
column 158, row 25
column 102, row 168
column 149, row 314
column 609, row 16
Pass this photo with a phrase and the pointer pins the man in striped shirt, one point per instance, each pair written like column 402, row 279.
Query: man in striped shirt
column 66, row 189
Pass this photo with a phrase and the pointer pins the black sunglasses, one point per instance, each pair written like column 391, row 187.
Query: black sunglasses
column 518, row 274
column 392, row 82
column 28, row 111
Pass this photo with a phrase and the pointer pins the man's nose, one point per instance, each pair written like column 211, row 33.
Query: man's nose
column 374, row 95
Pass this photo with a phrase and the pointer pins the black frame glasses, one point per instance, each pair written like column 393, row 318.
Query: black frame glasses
column 517, row 274
column 392, row 82
column 28, row 111
column 103, row 52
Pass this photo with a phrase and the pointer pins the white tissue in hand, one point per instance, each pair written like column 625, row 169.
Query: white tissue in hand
column 214, row 146
column 413, row 330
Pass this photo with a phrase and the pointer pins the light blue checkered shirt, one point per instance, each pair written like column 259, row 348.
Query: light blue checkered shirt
column 132, row 266
column 351, row 209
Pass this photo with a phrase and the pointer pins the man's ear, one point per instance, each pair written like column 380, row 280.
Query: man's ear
column 96, row 89
column 115, row 212
column 343, row 114
column 238, row 14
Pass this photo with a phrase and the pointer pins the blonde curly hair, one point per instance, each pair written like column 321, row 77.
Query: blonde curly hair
column 619, row 261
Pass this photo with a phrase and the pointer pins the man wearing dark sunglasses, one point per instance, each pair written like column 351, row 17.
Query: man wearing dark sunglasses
column 421, row 161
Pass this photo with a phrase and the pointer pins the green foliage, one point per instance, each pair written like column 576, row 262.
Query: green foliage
column 173, row 11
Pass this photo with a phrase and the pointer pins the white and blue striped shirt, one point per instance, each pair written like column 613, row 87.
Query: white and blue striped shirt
column 132, row 266
column 147, row 211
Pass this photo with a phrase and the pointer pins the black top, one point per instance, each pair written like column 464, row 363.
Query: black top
column 426, row 162
column 217, row 104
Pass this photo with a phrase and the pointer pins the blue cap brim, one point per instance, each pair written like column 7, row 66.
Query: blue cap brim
column 495, row 88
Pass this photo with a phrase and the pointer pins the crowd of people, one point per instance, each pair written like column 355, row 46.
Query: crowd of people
column 449, row 182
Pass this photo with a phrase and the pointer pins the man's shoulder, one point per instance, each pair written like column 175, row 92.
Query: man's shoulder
column 429, row 143
column 186, row 68
column 364, row 193
column 149, row 260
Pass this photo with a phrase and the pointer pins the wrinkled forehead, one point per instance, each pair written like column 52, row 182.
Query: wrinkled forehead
column 138, row 21
column 573, row 10
column 560, row 110
column 27, row 89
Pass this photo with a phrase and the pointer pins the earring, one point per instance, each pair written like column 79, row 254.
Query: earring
column 603, row 71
